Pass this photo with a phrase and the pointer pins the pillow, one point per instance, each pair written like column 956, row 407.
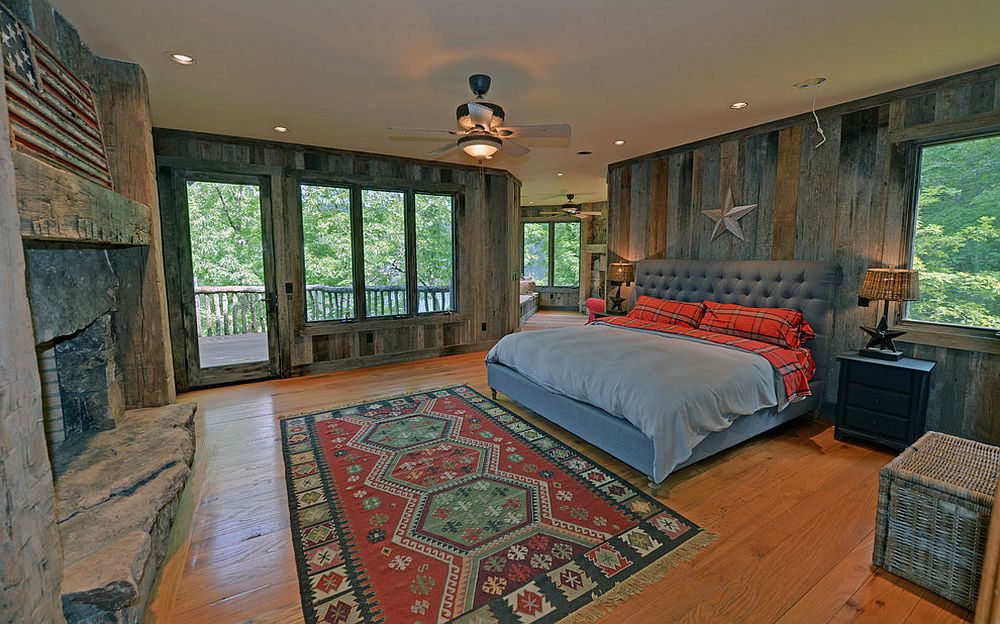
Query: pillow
column 666, row 311
column 527, row 286
column 778, row 326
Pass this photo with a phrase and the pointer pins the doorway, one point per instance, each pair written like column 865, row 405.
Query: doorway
column 229, row 307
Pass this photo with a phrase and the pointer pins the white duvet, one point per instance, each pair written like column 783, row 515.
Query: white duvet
column 674, row 389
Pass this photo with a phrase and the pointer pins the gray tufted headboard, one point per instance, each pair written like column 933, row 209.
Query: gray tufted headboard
column 804, row 286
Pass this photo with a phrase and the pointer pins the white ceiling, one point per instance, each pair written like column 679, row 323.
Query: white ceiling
column 657, row 73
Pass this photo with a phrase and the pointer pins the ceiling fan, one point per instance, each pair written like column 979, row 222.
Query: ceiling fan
column 481, row 131
column 573, row 210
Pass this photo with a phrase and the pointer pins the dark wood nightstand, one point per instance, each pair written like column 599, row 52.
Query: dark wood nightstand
column 882, row 401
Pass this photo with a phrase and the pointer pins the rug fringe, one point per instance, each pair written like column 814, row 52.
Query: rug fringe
column 362, row 401
column 601, row 604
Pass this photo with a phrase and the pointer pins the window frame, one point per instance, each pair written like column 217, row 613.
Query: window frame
column 409, row 190
column 551, row 260
column 950, row 335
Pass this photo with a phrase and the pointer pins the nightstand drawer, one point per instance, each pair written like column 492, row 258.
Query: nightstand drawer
column 876, row 423
column 878, row 400
column 881, row 376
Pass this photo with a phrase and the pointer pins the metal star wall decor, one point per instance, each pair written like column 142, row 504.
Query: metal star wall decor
column 727, row 217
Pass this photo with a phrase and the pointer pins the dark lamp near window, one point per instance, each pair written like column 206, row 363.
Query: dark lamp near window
column 620, row 273
column 887, row 285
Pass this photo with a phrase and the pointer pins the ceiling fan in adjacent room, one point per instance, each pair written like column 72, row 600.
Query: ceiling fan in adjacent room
column 571, row 209
column 481, row 131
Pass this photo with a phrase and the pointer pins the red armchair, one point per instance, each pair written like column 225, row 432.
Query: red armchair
column 594, row 306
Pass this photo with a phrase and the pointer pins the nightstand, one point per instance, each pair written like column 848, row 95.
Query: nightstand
column 882, row 401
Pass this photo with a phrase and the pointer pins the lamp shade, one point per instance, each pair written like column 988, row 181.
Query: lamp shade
column 479, row 146
column 890, row 285
column 621, row 272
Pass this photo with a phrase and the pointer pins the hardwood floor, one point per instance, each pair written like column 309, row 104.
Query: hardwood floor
column 794, row 510
column 551, row 319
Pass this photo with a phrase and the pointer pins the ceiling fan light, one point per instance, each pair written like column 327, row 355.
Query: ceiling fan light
column 479, row 146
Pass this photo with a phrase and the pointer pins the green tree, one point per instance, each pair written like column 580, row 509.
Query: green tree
column 226, row 237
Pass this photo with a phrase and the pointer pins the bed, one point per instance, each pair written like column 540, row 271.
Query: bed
column 652, row 443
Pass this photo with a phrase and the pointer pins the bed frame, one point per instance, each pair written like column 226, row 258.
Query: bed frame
column 804, row 286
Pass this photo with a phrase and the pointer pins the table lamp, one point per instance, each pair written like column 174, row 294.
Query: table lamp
column 887, row 285
column 620, row 273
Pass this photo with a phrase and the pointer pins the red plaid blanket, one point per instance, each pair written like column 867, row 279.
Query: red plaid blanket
column 796, row 366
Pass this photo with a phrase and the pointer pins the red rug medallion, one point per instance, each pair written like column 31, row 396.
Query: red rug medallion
column 444, row 506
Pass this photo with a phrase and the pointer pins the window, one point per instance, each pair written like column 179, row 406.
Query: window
column 402, row 243
column 551, row 254
column 956, row 245
column 535, row 259
column 566, row 254
column 434, row 224
column 384, row 234
column 328, row 248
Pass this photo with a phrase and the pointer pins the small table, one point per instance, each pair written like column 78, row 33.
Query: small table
column 882, row 401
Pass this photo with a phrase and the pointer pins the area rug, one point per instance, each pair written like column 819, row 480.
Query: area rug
column 444, row 506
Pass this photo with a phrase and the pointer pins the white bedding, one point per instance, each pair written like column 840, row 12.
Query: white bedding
column 674, row 389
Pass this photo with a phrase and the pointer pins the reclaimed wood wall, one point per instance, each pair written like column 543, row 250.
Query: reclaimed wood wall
column 849, row 200
column 488, row 255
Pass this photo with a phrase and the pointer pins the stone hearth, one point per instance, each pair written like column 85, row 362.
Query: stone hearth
column 115, row 501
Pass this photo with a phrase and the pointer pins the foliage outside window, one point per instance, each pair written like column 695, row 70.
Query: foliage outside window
column 435, row 244
column 957, row 240
column 383, row 230
column 551, row 254
column 396, row 228
column 226, row 237
column 535, row 258
column 328, row 249
column 566, row 254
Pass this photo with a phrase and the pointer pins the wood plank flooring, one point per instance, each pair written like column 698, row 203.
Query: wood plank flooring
column 794, row 510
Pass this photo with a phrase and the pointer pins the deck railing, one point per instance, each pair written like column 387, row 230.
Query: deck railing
column 232, row 310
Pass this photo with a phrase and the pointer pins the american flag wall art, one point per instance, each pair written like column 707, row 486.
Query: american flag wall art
column 52, row 112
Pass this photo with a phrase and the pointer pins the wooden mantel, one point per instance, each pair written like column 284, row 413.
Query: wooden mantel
column 58, row 206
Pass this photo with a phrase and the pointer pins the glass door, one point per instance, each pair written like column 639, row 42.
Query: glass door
column 230, row 315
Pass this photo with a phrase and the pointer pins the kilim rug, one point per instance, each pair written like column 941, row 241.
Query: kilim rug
column 444, row 506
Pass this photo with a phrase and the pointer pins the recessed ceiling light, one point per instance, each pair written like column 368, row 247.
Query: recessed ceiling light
column 531, row 202
column 281, row 129
column 620, row 142
column 738, row 105
column 560, row 173
column 181, row 59
column 584, row 153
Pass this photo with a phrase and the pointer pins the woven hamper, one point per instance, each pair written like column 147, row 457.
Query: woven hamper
column 934, row 505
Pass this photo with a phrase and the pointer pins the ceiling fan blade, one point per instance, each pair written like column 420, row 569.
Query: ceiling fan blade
column 589, row 213
column 552, row 213
column 421, row 132
column 444, row 149
column 513, row 149
column 480, row 115
column 536, row 130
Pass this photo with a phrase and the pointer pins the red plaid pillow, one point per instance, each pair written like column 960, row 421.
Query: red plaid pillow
column 777, row 326
column 666, row 311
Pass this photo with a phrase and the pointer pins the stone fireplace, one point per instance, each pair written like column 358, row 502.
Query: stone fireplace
column 73, row 293
column 117, row 473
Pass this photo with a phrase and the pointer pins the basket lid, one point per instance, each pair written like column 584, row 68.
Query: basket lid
column 961, row 463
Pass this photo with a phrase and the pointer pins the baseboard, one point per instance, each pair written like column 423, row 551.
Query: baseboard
column 333, row 366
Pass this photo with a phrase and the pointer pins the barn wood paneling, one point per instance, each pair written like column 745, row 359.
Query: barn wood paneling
column 488, row 256
column 850, row 201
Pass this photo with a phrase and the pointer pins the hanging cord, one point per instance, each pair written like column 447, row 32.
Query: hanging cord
column 819, row 128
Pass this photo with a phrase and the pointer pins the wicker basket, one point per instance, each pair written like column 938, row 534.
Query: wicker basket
column 934, row 505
